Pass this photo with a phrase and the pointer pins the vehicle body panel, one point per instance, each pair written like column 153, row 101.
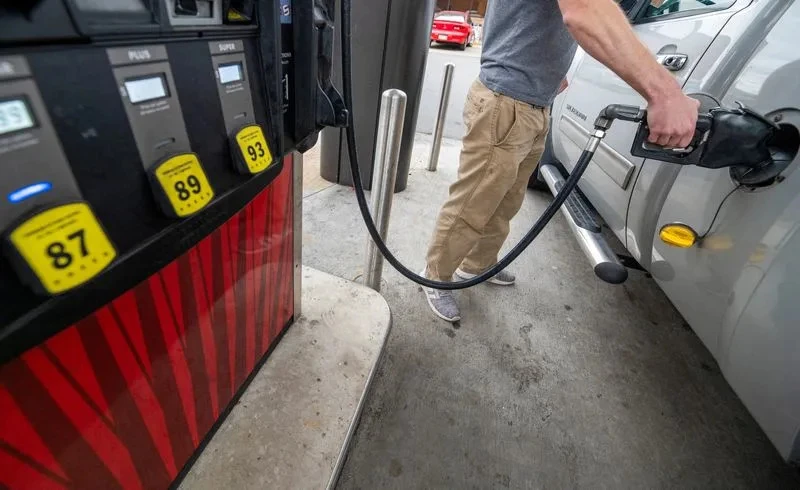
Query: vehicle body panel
column 714, row 75
column 607, row 182
column 739, row 290
column 737, row 287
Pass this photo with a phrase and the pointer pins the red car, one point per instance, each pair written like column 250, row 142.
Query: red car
column 452, row 27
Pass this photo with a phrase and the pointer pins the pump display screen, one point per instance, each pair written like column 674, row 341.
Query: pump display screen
column 230, row 73
column 144, row 89
column 14, row 116
column 111, row 5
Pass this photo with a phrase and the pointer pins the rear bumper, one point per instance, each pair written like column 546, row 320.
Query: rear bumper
column 453, row 37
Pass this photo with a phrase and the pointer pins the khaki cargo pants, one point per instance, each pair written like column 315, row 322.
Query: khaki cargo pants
column 504, row 141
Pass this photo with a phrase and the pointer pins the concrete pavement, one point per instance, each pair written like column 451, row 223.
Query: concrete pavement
column 561, row 381
column 290, row 425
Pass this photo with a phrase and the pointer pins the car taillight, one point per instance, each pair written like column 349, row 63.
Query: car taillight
column 437, row 25
column 458, row 28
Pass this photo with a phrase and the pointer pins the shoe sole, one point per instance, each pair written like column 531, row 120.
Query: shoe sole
column 435, row 311
column 492, row 280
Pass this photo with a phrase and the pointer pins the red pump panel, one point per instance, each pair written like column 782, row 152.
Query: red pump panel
column 125, row 397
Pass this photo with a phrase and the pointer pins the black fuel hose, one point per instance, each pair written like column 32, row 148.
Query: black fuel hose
column 540, row 224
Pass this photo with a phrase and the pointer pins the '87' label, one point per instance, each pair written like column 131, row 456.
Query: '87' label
column 61, row 248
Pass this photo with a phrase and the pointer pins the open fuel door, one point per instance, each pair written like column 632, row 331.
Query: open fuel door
column 678, row 32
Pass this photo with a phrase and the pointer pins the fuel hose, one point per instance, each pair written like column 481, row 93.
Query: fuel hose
column 529, row 237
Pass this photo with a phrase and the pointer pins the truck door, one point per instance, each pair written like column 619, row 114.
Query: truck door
column 677, row 32
column 738, row 288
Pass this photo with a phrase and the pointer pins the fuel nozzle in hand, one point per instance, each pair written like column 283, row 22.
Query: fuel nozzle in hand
column 690, row 155
column 723, row 137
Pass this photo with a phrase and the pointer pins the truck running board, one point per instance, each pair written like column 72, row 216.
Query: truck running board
column 587, row 231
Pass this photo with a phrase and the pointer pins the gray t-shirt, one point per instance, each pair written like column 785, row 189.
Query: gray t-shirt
column 527, row 50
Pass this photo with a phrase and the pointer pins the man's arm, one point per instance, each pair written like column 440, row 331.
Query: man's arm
column 602, row 30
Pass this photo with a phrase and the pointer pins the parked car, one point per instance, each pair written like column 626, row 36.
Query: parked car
column 453, row 27
column 737, row 283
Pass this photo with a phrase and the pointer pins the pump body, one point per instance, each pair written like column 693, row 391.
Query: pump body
column 147, row 222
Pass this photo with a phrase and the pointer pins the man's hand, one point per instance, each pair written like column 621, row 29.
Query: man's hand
column 602, row 30
column 672, row 121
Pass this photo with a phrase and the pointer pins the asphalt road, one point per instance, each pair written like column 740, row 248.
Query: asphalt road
column 467, row 65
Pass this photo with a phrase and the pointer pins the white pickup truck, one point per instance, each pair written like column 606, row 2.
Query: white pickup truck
column 738, row 282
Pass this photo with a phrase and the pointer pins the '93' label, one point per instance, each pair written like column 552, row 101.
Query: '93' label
column 253, row 149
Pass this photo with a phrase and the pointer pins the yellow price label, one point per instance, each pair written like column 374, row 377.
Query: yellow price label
column 254, row 149
column 64, row 246
column 184, row 183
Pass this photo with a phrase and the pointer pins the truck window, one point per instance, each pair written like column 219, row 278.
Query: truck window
column 627, row 5
column 660, row 8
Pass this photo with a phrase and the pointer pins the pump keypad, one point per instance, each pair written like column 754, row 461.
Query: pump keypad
column 182, row 187
column 61, row 248
column 253, row 155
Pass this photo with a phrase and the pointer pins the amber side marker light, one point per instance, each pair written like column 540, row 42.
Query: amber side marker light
column 678, row 235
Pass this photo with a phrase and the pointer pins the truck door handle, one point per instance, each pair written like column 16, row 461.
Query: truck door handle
column 673, row 62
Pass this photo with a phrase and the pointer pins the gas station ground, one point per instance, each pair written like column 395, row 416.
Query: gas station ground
column 561, row 381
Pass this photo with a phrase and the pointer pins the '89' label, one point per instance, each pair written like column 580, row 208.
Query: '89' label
column 182, row 185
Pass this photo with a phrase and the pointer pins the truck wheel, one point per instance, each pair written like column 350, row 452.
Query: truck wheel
column 537, row 183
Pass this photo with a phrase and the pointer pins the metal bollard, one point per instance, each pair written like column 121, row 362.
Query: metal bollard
column 387, row 157
column 438, row 127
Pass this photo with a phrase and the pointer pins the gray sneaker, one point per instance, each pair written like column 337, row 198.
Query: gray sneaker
column 443, row 303
column 502, row 278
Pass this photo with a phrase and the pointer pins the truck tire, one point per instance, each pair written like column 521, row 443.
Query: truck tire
column 536, row 183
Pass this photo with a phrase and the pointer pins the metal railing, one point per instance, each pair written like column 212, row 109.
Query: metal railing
column 441, row 116
column 387, row 157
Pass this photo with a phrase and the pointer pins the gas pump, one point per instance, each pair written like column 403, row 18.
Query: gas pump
column 146, row 219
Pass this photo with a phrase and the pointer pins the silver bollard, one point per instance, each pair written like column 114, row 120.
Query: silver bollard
column 438, row 128
column 384, row 176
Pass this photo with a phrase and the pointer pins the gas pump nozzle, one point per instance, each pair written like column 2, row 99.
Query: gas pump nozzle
column 331, row 110
column 724, row 137
column 621, row 112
